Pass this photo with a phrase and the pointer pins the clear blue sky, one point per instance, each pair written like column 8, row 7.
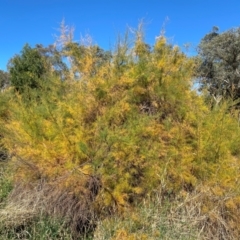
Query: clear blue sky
column 37, row 21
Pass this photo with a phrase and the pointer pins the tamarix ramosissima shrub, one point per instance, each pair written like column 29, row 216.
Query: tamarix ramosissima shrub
column 111, row 123
column 131, row 122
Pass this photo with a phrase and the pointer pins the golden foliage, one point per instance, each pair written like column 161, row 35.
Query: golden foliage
column 133, row 121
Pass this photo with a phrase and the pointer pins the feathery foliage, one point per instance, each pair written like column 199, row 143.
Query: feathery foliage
column 122, row 126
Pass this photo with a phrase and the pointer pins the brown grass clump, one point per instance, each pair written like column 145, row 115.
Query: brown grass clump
column 219, row 219
column 209, row 213
column 27, row 201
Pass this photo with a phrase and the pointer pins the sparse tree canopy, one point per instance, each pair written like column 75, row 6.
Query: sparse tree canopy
column 54, row 58
column 79, row 54
column 219, row 71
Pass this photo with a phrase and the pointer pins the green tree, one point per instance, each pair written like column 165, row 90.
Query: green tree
column 219, row 70
column 27, row 69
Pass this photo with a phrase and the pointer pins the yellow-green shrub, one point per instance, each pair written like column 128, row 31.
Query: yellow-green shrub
column 133, row 122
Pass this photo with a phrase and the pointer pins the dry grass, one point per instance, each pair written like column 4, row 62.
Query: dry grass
column 183, row 218
column 196, row 215
column 27, row 202
column 208, row 213
column 152, row 219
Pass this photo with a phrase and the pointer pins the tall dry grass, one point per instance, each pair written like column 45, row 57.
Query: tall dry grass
column 27, row 202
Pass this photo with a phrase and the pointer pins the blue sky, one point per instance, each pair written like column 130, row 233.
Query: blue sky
column 37, row 21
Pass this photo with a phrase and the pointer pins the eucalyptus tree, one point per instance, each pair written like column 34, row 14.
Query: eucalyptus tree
column 219, row 70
